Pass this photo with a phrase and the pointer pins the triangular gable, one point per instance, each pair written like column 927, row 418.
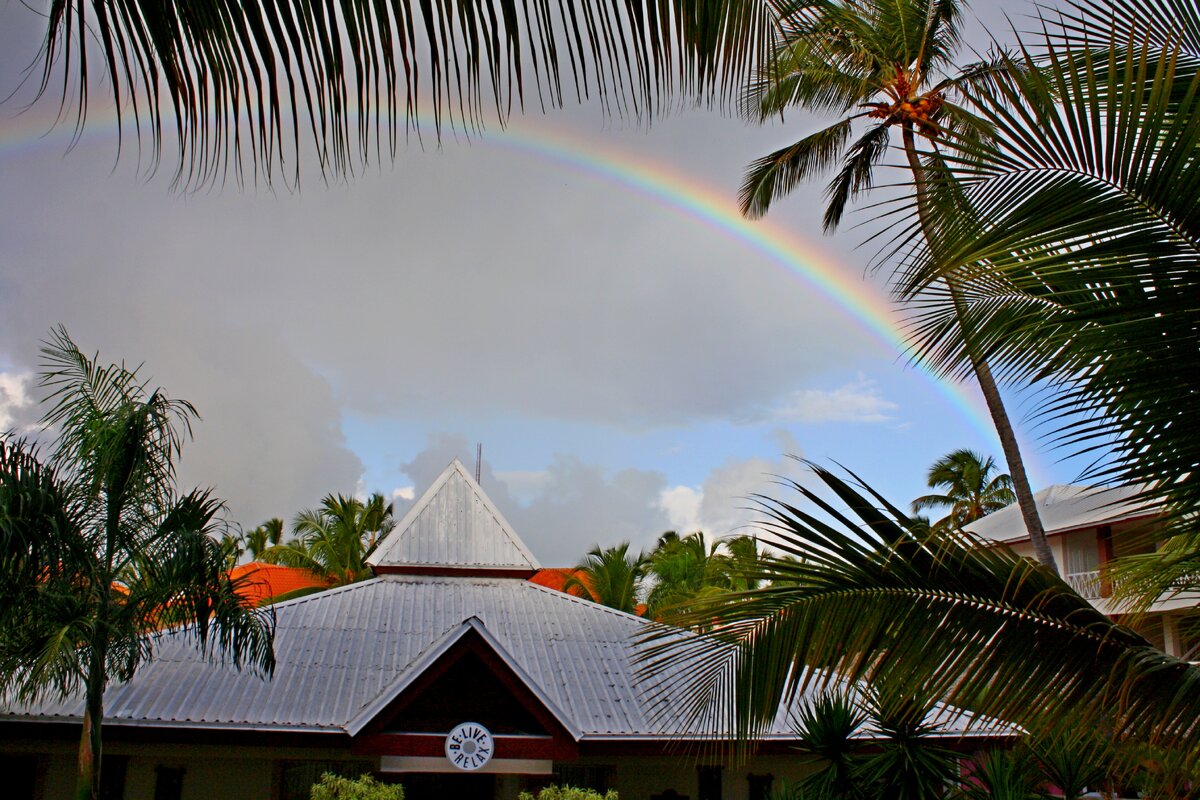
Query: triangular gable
column 544, row 730
column 454, row 529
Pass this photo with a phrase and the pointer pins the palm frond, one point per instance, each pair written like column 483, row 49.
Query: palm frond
column 777, row 174
column 878, row 595
column 1080, row 251
column 246, row 89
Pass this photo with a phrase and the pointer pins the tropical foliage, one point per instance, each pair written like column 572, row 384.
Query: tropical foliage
column 567, row 793
column 886, row 68
column 250, row 89
column 971, row 490
column 610, row 576
column 333, row 541
column 364, row 787
column 101, row 554
column 936, row 614
column 1078, row 254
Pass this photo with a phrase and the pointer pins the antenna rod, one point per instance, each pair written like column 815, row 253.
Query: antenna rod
column 478, row 460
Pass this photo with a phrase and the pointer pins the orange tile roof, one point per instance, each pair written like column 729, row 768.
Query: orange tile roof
column 556, row 578
column 264, row 581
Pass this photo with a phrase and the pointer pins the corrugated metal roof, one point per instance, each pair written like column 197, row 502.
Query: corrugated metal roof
column 454, row 525
column 1065, row 507
column 344, row 651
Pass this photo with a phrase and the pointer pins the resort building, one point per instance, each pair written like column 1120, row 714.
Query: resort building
column 1086, row 528
column 449, row 672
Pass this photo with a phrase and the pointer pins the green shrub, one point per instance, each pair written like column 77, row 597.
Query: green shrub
column 364, row 787
column 568, row 793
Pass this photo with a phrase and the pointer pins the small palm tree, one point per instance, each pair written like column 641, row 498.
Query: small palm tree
column 333, row 541
column 265, row 536
column 971, row 489
column 610, row 576
column 683, row 569
column 102, row 554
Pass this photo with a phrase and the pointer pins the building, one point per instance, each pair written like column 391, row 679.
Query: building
column 1086, row 527
column 449, row 671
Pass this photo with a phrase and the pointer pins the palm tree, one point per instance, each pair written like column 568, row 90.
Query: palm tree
column 882, row 63
column 244, row 89
column 102, row 555
column 683, row 568
column 1080, row 259
column 971, row 490
column 333, row 541
column 936, row 614
column 265, row 536
column 610, row 576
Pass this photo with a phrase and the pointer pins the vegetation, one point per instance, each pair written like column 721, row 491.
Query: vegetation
column 1073, row 229
column 933, row 612
column 364, row 787
column 610, row 577
column 884, row 63
column 971, row 491
column 567, row 793
column 242, row 88
column 102, row 555
column 333, row 541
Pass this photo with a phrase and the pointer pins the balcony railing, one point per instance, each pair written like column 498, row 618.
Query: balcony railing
column 1088, row 584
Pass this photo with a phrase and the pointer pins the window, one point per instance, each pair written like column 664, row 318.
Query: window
column 168, row 782
column 760, row 786
column 20, row 776
column 112, row 777
column 708, row 781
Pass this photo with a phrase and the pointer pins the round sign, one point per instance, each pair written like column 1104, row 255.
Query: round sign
column 469, row 746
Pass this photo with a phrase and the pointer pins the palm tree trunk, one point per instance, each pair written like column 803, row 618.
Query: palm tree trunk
column 87, row 786
column 987, row 382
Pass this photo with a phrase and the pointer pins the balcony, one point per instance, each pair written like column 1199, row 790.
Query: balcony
column 1088, row 584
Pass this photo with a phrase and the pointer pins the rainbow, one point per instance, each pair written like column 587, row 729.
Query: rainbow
column 668, row 187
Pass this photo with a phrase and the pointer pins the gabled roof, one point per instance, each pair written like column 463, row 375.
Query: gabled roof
column 1065, row 507
column 454, row 528
column 471, row 632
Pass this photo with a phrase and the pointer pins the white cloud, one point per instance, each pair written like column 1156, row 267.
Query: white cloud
column 407, row 493
column 15, row 404
column 858, row 401
column 682, row 504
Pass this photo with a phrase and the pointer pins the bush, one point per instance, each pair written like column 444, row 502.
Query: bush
column 364, row 787
column 568, row 793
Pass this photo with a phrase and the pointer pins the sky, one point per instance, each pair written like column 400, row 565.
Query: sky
column 576, row 294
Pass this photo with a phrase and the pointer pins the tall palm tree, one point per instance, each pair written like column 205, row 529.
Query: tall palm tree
column 610, row 576
column 888, row 65
column 971, row 491
column 101, row 553
column 1081, row 259
column 333, row 541
column 245, row 88
column 873, row 594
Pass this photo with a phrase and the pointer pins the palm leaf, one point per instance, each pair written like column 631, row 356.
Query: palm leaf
column 246, row 89
column 876, row 594
column 1079, row 257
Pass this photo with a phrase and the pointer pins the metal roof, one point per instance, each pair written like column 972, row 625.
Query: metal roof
column 345, row 652
column 1065, row 507
column 454, row 525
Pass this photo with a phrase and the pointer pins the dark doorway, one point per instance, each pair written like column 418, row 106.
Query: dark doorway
column 442, row 786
